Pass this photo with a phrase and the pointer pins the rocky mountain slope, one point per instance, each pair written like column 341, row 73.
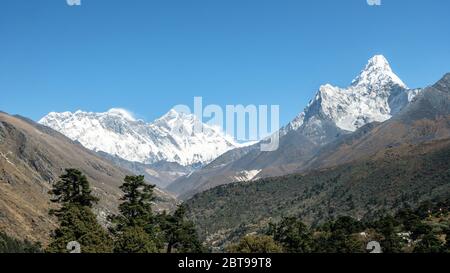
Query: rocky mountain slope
column 380, row 166
column 32, row 157
column 172, row 138
column 392, row 178
column 426, row 118
column 161, row 173
column 375, row 95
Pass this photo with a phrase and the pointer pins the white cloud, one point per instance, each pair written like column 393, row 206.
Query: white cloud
column 123, row 112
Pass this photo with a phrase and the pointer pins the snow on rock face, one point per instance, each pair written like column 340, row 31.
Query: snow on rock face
column 377, row 74
column 246, row 175
column 376, row 94
column 170, row 138
column 295, row 124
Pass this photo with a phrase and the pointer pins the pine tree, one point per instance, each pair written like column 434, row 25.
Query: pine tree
column 79, row 223
column 135, row 228
column 341, row 242
column 134, row 240
column 447, row 240
column 179, row 233
column 391, row 242
column 293, row 235
column 255, row 244
column 429, row 244
column 136, row 206
column 73, row 188
column 76, row 220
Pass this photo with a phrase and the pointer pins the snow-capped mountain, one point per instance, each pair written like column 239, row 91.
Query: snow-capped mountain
column 376, row 94
column 174, row 137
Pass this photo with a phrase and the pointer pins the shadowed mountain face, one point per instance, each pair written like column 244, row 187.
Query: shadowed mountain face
column 427, row 118
column 244, row 164
column 376, row 95
column 32, row 157
column 160, row 174
column 380, row 166
column 387, row 181
column 443, row 84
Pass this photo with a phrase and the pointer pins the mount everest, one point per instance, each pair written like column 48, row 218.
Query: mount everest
column 171, row 138
column 375, row 95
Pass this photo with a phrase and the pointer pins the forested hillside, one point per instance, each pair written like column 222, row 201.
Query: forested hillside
column 393, row 178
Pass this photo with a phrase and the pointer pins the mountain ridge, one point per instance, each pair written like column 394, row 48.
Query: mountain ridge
column 375, row 95
column 172, row 137
column 32, row 157
column 404, row 175
column 381, row 166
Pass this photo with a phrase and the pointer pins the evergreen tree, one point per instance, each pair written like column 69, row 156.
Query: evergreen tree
column 293, row 235
column 341, row 242
column 347, row 225
column 447, row 240
column 391, row 242
column 136, row 206
column 255, row 244
column 408, row 218
column 76, row 220
column 419, row 229
column 79, row 223
column 135, row 227
column 429, row 244
column 73, row 188
column 134, row 240
column 12, row 245
column 340, row 236
column 179, row 233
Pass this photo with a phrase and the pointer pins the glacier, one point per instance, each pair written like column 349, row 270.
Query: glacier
column 375, row 95
column 171, row 138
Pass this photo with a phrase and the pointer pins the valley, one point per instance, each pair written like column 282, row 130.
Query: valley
column 372, row 148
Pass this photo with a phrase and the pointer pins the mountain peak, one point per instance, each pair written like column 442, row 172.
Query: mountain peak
column 377, row 74
column 172, row 138
column 176, row 116
column 122, row 113
column 172, row 112
column 171, row 115
column 374, row 96
column 444, row 83
column 379, row 61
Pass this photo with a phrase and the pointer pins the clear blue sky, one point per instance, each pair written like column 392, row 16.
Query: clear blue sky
column 147, row 56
